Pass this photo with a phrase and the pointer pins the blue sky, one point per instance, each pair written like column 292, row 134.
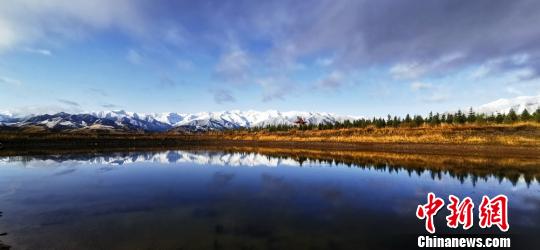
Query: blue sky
column 346, row 57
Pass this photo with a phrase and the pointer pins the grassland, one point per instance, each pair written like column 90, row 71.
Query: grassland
column 518, row 134
column 511, row 139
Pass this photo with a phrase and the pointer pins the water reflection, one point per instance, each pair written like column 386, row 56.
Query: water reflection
column 461, row 168
column 248, row 198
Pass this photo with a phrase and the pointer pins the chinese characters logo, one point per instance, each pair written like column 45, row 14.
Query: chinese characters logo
column 491, row 212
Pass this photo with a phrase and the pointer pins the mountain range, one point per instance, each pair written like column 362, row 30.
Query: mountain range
column 206, row 121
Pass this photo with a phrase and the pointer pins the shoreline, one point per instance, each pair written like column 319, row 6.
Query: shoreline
column 464, row 140
column 497, row 151
column 511, row 167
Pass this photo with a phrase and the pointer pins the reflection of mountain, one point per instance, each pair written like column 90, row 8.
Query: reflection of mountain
column 166, row 157
column 461, row 168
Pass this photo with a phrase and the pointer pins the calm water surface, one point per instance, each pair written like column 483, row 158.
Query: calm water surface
column 218, row 200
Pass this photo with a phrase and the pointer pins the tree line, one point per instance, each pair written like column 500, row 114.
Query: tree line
column 433, row 119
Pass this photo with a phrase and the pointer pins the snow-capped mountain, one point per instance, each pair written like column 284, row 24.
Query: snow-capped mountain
column 245, row 119
column 518, row 104
column 123, row 120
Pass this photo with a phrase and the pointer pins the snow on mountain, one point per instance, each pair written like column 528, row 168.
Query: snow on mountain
column 121, row 119
column 6, row 116
column 246, row 119
column 518, row 104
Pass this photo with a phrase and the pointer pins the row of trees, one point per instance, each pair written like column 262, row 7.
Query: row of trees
column 436, row 119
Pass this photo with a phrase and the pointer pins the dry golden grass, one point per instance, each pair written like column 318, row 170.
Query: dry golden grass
column 523, row 134
column 519, row 134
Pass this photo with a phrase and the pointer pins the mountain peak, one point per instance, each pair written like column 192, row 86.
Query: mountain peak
column 518, row 104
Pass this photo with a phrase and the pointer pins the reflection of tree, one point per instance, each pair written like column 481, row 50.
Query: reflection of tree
column 464, row 168
column 2, row 245
column 460, row 168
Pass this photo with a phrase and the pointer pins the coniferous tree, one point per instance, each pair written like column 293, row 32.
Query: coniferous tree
column 525, row 115
column 536, row 115
column 480, row 118
column 449, row 118
column 435, row 120
column 396, row 122
column 511, row 116
column 491, row 118
column 499, row 118
column 459, row 117
column 407, row 120
column 418, row 120
column 471, row 117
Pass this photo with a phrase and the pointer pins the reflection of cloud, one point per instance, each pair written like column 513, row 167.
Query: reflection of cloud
column 332, row 194
column 220, row 179
column 275, row 184
column 65, row 172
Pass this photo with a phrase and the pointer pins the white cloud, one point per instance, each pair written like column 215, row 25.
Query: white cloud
column 480, row 72
column 184, row 65
column 69, row 102
column 45, row 109
column 414, row 70
column 513, row 91
column 134, row 57
column 436, row 97
column 407, row 70
column 332, row 81
column 43, row 52
column 275, row 88
column 9, row 81
column 222, row 96
column 520, row 59
column 175, row 36
column 25, row 22
column 233, row 66
column 420, row 86
column 514, row 65
column 325, row 61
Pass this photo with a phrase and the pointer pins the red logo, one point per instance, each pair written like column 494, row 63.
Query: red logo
column 460, row 212
column 491, row 212
column 429, row 210
column 494, row 212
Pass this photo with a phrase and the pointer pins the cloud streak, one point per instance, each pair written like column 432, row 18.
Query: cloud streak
column 9, row 81
column 68, row 102
column 222, row 96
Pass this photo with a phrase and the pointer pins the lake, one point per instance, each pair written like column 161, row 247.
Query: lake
column 250, row 199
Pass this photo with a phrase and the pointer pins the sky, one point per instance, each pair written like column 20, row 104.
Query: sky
column 351, row 57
